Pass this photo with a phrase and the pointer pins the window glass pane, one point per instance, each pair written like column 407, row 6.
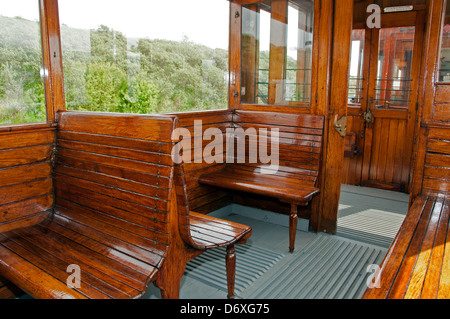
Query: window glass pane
column 355, row 90
column 444, row 62
column 277, row 39
column 145, row 56
column 394, row 67
column 22, row 95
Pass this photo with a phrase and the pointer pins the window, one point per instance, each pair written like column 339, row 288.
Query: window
column 145, row 56
column 277, row 39
column 356, row 78
column 444, row 61
column 395, row 55
column 22, row 95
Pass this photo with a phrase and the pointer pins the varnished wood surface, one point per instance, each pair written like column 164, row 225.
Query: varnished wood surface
column 204, row 199
column 436, row 173
column 26, row 194
column 299, row 155
column 8, row 290
column 200, row 232
column 285, row 188
column 111, row 214
column 417, row 264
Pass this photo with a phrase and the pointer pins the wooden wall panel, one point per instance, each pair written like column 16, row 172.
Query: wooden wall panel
column 436, row 175
column 388, row 153
column 204, row 199
column 441, row 109
column 352, row 166
column 26, row 188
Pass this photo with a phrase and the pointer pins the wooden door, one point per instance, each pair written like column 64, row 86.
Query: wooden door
column 383, row 101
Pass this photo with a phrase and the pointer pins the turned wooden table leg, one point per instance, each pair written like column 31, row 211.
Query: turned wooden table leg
column 293, row 218
column 231, row 270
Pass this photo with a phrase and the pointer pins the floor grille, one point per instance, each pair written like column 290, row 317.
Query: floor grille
column 370, row 226
column 329, row 268
column 251, row 263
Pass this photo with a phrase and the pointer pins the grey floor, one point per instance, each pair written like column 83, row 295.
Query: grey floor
column 323, row 266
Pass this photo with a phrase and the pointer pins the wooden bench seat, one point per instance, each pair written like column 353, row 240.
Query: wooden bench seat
column 111, row 212
column 202, row 232
column 417, row 264
column 210, row 232
column 300, row 148
column 100, row 220
column 285, row 189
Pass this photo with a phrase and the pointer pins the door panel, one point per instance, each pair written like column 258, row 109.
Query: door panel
column 388, row 92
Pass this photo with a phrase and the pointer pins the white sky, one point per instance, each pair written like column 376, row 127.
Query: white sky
column 202, row 21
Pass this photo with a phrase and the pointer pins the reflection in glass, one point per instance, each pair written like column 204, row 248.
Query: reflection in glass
column 394, row 67
column 127, row 59
column 355, row 89
column 22, row 96
column 444, row 61
column 277, row 40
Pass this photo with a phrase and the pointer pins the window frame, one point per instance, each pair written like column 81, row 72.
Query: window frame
column 445, row 4
column 51, row 64
column 236, row 60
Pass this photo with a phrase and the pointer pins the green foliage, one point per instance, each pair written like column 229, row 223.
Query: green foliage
column 106, row 72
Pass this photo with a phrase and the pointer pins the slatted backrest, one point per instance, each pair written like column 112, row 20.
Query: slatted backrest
column 436, row 180
column 300, row 141
column 113, row 174
column 25, row 175
column 182, row 204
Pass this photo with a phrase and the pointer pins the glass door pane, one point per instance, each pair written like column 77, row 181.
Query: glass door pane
column 356, row 79
column 395, row 56
column 444, row 61
column 277, row 41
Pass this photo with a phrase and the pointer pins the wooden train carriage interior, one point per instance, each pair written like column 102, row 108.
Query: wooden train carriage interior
column 326, row 106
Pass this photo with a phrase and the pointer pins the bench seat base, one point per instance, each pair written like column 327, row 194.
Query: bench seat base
column 45, row 259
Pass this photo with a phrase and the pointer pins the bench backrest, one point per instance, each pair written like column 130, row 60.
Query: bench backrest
column 436, row 175
column 300, row 141
column 26, row 193
column 112, row 178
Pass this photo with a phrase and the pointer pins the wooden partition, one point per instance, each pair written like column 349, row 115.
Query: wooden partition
column 432, row 146
column 204, row 199
column 26, row 189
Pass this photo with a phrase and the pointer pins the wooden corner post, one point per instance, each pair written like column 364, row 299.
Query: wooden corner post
column 325, row 218
column 52, row 58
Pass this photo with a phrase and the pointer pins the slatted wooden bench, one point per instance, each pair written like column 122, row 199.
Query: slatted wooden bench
column 417, row 264
column 111, row 185
column 113, row 213
column 300, row 145
column 201, row 232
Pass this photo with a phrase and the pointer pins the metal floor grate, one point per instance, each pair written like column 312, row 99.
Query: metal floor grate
column 251, row 263
column 372, row 226
column 329, row 268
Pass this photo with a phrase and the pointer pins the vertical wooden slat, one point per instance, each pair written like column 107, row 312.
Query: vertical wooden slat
column 389, row 171
column 234, row 59
column 278, row 42
column 52, row 58
column 384, row 143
